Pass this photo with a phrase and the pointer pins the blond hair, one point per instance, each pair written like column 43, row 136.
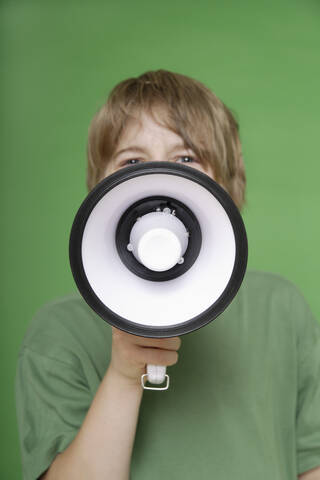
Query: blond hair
column 192, row 111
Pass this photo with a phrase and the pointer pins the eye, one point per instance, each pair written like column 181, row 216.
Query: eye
column 131, row 161
column 186, row 159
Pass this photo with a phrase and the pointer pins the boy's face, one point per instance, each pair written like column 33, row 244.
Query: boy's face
column 144, row 140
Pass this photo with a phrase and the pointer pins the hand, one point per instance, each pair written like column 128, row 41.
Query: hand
column 131, row 354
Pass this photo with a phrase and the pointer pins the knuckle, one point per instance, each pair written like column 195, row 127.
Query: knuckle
column 154, row 356
column 142, row 355
column 160, row 342
column 178, row 342
column 165, row 357
column 175, row 357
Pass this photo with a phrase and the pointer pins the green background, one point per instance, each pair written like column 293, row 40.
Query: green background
column 60, row 60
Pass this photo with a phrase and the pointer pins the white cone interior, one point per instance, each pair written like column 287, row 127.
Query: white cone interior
column 158, row 303
column 158, row 240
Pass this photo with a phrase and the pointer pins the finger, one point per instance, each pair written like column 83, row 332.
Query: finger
column 155, row 356
column 172, row 343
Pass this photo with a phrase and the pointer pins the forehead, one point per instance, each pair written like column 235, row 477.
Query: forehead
column 149, row 125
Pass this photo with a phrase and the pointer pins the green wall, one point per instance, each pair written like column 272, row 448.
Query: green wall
column 59, row 61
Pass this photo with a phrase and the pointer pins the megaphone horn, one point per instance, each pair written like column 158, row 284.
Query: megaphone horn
column 158, row 250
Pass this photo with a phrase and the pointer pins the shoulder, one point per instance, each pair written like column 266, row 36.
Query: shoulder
column 65, row 327
column 255, row 279
column 282, row 299
column 266, row 286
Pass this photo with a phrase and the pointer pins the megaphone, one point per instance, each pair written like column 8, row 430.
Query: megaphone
column 158, row 249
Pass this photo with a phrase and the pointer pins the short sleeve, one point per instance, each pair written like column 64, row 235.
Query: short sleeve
column 52, row 400
column 308, row 401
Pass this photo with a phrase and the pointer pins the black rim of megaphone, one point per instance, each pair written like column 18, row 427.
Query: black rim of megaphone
column 107, row 184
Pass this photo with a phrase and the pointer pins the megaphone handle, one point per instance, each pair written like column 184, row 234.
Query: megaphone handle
column 155, row 374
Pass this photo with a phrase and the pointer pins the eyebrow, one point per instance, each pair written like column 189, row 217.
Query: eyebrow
column 134, row 148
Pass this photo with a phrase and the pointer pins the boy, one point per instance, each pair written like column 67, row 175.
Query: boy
column 245, row 400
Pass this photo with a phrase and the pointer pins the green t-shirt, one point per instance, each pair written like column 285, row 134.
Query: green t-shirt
column 243, row 403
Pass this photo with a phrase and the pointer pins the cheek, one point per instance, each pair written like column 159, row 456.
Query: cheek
column 110, row 168
column 207, row 170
